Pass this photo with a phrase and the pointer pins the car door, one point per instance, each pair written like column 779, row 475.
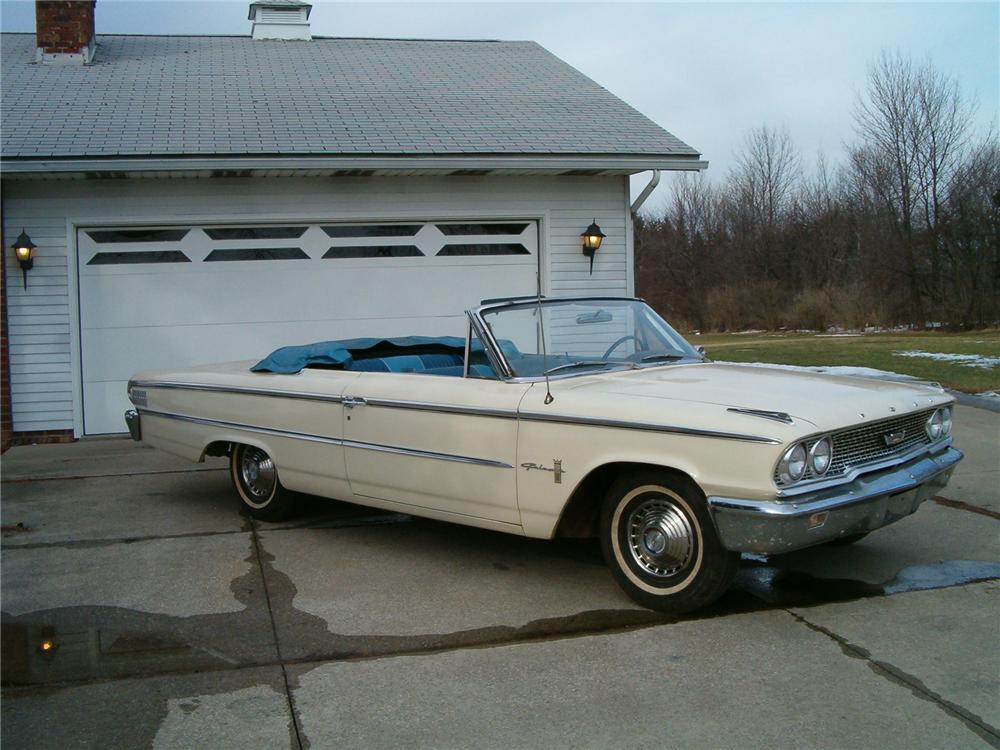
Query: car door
column 445, row 444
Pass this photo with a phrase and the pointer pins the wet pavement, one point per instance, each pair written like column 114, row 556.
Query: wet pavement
column 175, row 621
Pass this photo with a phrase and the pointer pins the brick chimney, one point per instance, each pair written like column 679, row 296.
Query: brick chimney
column 64, row 31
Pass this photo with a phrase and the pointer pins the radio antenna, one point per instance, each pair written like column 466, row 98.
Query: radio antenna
column 549, row 398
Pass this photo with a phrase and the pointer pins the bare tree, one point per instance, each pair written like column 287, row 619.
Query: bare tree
column 906, row 230
column 766, row 173
column 915, row 131
column 761, row 188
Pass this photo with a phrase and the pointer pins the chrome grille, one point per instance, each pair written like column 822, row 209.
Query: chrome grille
column 864, row 445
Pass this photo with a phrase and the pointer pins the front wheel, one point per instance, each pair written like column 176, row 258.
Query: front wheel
column 255, row 478
column 660, row 543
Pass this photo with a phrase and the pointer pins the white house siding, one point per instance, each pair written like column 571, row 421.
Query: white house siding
column 44, row 329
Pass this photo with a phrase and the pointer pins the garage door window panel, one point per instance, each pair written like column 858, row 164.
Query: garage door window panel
column 256, row 253
column 480, row 229
column 140, row 256
column 372, row 230
column 372, row 251
column 138, row 235
column 483, row 249
column 255, row 233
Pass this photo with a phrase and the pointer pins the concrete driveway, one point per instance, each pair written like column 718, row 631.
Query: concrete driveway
column 178, row 622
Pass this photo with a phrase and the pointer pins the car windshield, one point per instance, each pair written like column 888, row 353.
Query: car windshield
column 582, row 336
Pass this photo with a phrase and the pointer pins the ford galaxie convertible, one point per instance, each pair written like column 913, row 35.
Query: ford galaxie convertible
column 567, row 417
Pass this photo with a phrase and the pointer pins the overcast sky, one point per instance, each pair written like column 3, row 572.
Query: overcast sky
column 707, row 72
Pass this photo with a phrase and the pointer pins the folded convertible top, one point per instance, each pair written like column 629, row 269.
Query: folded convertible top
column 292, row 359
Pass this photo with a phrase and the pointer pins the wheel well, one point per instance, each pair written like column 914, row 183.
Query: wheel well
column 218, row 448
column 581, row 518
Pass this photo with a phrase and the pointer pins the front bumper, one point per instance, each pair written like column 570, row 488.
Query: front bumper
column 869, row 502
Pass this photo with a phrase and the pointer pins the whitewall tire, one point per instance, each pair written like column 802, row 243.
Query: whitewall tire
column 255, row 478
column 660, row 544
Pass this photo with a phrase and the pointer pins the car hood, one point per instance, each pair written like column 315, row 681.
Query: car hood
column 826, row 401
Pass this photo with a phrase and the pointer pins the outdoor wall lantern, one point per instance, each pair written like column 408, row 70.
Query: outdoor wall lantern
column 592, row 237
column 24, row 251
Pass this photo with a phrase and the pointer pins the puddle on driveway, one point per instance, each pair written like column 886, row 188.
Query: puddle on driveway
column 91, row 642
column 88, row 643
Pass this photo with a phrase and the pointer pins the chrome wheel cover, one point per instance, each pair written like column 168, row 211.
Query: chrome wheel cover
column 258, row 476
column 660, row 537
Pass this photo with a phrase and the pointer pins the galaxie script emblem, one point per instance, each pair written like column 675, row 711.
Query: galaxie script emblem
column 556, row 469
column 894, row 438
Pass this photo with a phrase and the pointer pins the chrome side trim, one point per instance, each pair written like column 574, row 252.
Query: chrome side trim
column 425, row 454
column 241, row 390
column 473, row 411
column 777, row 416
column 329, row 440
column 241, row 426
column 647, row 427
column 347, row 401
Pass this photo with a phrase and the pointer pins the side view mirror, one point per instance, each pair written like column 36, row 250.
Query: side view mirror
column 701, row 351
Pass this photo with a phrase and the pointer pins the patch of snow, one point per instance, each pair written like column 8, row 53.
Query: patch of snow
column 837, row 335
column 939, row 575
column 747, row 333
column 967, row 360
column 991, row 395
column 858, row 372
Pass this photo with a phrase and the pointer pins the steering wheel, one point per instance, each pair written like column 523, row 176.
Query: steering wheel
column 619, row 342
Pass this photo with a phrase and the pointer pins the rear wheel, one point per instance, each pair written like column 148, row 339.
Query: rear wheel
column 660, row 543
column 255, row 478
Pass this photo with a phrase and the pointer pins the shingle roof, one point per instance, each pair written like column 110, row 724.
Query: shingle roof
column 223, row 96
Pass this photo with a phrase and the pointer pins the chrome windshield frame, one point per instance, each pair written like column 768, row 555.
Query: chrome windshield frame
column 499, row 361
column 478, row 327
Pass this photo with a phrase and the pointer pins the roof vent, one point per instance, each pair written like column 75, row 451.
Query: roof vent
column 280, row 19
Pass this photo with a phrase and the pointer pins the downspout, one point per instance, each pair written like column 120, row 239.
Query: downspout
column 653, row 182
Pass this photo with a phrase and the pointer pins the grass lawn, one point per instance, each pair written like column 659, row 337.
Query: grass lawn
column 877, row 350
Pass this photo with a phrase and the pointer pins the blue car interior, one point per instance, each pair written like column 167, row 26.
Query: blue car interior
column 443, row 355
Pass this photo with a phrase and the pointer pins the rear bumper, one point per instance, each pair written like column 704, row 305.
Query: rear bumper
column 869, row 502
column 132, row 422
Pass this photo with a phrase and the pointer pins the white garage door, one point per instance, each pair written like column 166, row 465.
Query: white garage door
column 177, row 296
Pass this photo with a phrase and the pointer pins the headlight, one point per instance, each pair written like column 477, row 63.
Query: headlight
column 792, row 466
column 935, row 425
column 946, row 420
column 820, row 456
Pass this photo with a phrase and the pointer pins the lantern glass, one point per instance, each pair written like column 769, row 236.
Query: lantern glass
column 23, row 252
column 592, row 237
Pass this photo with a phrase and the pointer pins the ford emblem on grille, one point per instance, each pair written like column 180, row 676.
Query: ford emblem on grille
column 894, row 438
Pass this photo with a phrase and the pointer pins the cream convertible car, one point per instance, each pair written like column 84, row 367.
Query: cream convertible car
column 567, row 417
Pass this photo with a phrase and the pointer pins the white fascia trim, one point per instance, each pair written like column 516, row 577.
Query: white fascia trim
column 251, row 163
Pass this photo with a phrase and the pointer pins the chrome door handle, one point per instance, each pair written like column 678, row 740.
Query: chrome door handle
column 351, row 401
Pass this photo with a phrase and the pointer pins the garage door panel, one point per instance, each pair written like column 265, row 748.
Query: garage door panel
column 183, row 346
column 158, row 302
column 290, row 295
column 110, row 417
